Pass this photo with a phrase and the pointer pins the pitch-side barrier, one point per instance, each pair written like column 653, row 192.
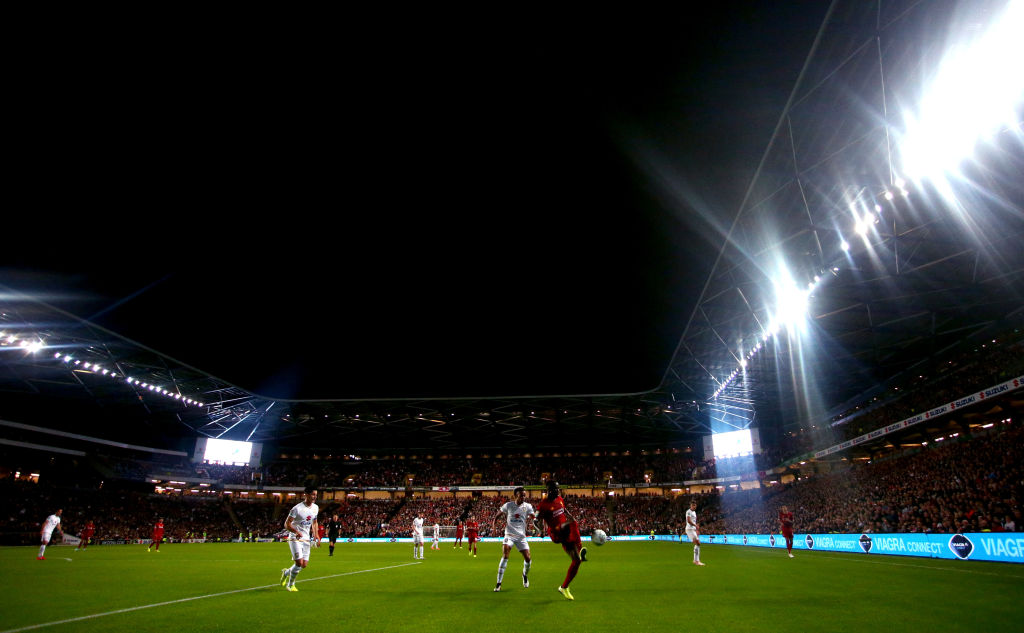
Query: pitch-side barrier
column 1005, row 547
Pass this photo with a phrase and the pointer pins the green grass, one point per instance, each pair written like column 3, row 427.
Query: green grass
column 629, row 587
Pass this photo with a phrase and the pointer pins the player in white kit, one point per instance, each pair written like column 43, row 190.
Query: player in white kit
column 692, row 532
column 436, row 543
column 52, row 523
column 302, row 524
column 519, row 517
column 417, row 537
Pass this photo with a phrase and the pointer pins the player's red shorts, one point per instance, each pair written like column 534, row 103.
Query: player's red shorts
column 566, row 535
column 157, row 536
column 472, row 537
column 787, row 534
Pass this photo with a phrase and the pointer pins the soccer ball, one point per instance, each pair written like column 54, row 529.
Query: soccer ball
column 598, row 537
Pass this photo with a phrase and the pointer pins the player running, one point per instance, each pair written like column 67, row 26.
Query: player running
column 693, row 533
column 518, row 521
column 157, row 536
column 436, row 542
column 417, row 538
column 87, row 533
column 51, row 523
column 472, row 534
column 301, row 522
column 786, row 524
column 564, row 530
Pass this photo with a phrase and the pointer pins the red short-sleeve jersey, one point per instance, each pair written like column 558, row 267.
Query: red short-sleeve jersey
column 472, row 527
column 786, row 518
column 552, row 512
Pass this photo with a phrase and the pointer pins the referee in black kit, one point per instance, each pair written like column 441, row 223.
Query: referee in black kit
column 333, row 527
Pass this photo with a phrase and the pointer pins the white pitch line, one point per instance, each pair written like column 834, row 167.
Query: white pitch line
column 211, row 595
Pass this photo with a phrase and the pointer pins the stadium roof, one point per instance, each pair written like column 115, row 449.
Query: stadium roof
column 573, row 238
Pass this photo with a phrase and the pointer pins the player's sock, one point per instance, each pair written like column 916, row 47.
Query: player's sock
column 332, row 551
column 526, row 573
column 42, row 549
column 293, row 572
column 501, row 569
column 573, row 568
column 696, row 553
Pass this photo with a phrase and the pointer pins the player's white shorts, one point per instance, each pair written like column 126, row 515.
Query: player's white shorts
column 45, row 537
column 519, row 541
column 691, row 534
column 300, row 549
column 417, row 539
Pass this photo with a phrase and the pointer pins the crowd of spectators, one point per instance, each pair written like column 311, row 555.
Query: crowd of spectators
column 441, row 511
column 970, row 485
column 117, row 515
column 963, row 484
column 988, row 364
column 663, row 467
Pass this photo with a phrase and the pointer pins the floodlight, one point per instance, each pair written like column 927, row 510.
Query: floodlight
column 975, row 92
column 791, row 304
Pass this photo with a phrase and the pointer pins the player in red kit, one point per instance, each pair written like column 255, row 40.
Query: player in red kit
column 472, row 534
column 158, row 535
column 564, row 530
column 786, row 523
column 321, row 530
column 459, row 529
column 87, row 533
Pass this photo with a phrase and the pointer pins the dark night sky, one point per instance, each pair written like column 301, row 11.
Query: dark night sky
column 381, row 211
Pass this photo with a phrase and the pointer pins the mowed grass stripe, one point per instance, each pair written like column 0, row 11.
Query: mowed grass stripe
column 626, row 586
column 181, row 600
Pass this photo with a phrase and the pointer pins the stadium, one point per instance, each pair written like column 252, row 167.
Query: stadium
column 675, row 274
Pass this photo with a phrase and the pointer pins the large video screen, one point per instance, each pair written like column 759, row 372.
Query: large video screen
column 227, row 452
column 732, row 444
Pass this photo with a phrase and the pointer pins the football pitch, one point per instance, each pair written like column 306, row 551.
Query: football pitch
column 625, row 586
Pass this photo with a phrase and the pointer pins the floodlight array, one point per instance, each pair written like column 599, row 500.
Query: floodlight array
column 792, row 300
column 13, row 341
column 98, row 369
